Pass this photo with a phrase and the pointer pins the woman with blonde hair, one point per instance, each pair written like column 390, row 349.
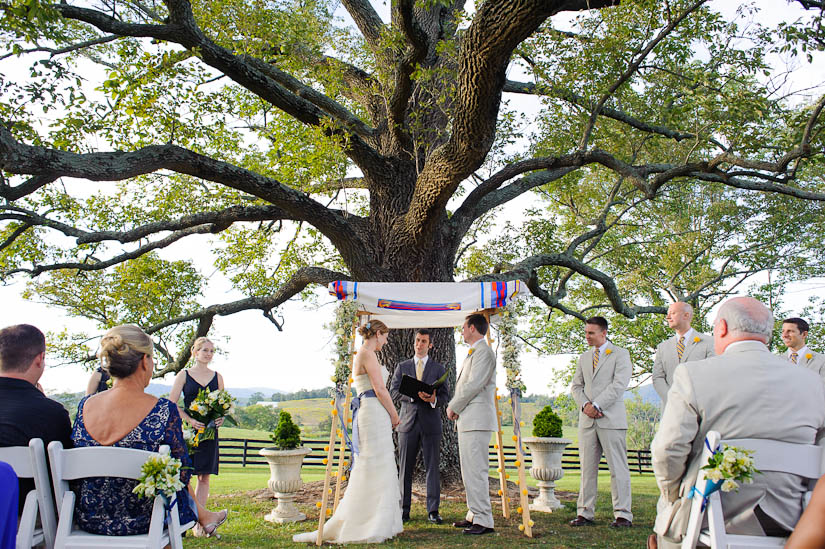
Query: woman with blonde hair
column 190, row 382
column 370, row 511
column 127, row 417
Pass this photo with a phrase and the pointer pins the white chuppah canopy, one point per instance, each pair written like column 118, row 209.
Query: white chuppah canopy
column 426, row 304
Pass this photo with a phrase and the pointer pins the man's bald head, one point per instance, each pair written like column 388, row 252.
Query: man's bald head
column 679, row 316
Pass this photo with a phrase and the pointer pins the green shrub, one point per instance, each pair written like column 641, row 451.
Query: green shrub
column 287, row 435
column 547, row 424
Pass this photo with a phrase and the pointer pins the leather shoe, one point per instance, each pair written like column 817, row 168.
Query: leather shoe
column 581, row 521
column 435, row 518
column 405, row 518
column 462, row 524
column 621, row 523
column 652, row 542
column 477, row 530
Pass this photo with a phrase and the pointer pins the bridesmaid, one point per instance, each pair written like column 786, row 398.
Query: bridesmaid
column 190, row 382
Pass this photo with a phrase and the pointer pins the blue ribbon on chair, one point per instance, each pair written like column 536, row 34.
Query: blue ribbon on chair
column 710, row 485
column 515, row 402
column 355, row 405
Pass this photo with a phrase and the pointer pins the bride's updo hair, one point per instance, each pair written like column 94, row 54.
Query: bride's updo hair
column 122, row 349
column 372, row 328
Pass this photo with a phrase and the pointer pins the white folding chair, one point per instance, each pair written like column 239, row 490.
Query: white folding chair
column 30, row 462
column 106, row 461
column 805, row 460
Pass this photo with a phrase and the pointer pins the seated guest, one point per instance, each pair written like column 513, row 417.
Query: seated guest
column 743, row 392
column 8, row 506
column 25, row 412
column 99, row 382
column 126, row 417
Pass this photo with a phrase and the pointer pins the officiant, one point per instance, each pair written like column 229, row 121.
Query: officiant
column 420, row 426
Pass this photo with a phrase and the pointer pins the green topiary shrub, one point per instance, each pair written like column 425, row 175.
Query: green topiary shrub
column 287, row 435
column 547, row 424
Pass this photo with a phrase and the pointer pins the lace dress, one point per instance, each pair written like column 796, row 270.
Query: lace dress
column 106, row 505
column 370, row 510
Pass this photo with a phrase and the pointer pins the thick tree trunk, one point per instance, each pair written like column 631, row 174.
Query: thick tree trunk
column 399, row 347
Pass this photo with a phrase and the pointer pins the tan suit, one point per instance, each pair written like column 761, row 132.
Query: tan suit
column 745, row 393
column 667, row 358
column 606, row 435
column 816, row 363
column 474, row 402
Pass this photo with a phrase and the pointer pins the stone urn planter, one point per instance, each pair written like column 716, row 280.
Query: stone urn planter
column 285, row 481
column 546, row 455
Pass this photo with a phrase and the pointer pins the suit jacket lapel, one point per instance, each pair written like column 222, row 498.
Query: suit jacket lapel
column 464, row 365
column 689, row 345
column 604, row 358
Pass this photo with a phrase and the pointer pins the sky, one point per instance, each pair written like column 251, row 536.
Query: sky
column 255, row 354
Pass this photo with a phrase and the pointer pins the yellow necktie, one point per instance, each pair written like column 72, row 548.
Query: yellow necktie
column 680, row 347
column 794, row 357
column 419, row 369
column 595, row 358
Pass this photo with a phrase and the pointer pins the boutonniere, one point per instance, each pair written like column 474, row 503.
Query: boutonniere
column 697, row 339
column 809, row 356
column 608, row 351
column 470, row 352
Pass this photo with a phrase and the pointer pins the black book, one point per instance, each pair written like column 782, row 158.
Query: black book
column 411, row 386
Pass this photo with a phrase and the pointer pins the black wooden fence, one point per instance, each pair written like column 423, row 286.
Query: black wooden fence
column 244, row 452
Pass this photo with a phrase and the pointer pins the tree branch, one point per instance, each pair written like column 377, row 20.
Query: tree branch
column 403, row 19
column 367, row 21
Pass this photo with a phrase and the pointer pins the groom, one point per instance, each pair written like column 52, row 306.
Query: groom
column 473, row 410
column 420, row 425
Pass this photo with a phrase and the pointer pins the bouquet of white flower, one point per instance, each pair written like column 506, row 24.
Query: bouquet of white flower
column 160, row 474
column 726, row 468
column 209, row 406
column 190, row 437
column 730, row 466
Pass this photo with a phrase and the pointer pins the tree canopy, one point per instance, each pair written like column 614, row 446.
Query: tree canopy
column 624, row 155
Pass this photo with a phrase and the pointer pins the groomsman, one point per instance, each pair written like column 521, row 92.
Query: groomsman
column 686, row 345
column 601, row 378
column 420, row 426
column 474, row 411
column 794, row 335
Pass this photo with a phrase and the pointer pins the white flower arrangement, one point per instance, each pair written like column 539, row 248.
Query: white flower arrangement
column 160, row 474
column 190, row 437
column 730, row 466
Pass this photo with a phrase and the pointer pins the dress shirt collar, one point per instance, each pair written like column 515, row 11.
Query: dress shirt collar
column 423, row 360
column 481, row 341
column 688, row 336
column 603, row 348
column 801, row 352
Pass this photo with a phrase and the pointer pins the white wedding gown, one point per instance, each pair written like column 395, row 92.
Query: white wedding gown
column 370, row 509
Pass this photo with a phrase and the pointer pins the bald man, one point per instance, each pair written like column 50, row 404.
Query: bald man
column 686, row 345
column 743, row 392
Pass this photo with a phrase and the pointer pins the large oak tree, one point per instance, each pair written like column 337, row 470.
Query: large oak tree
column 662, row 152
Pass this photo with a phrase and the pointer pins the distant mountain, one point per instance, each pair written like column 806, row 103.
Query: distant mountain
column 241, row 393
column 646, row 391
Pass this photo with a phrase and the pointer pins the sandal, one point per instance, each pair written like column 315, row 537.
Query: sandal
column 209, row 529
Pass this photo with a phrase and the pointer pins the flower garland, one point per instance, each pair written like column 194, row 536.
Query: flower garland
column 511, row 348
column 341, row 328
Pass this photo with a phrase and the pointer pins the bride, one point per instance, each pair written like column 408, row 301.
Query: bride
column 370, row 511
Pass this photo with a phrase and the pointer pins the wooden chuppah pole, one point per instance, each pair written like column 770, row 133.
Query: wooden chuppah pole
column 342, row 438
column 335, row 430
column 502, row 469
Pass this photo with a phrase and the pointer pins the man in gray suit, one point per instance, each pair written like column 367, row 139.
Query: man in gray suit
column 794, row 335
column 686, row 345
column 601, row 378
column 473, row 409
column 743, row 392
column 420, row 425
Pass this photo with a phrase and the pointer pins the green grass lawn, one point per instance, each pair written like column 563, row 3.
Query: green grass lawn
column 246, row 526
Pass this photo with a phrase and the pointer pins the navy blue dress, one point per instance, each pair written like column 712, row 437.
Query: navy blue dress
column 205, row 456
column 106, row 505
column 102, row 385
